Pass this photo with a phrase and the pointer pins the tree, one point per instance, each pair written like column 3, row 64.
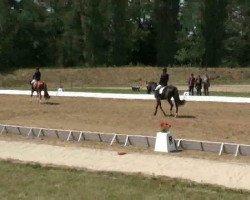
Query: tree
column 166, row 24
column 120, row 33
column 190, row 39
column 213, row 29
column 97, row 32
column 237, row 43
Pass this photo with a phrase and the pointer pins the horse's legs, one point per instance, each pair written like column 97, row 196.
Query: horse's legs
column 31, row 95
column 176, row 106
column 171, row 106
column 40, row 97
column 157, row 105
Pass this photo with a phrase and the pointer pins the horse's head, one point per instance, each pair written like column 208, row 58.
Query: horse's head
column 151, row 86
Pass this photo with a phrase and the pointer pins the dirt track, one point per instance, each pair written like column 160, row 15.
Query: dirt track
column 229, row 174
column 198, row 120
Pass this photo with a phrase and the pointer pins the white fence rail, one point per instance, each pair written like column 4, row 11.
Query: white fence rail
column 131, row 96
column 135, row 140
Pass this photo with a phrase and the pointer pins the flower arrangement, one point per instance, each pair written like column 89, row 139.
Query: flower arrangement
column 165, row 127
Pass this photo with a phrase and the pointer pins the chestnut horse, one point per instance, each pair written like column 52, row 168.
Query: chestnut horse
column 39, row 87
column 168, row 93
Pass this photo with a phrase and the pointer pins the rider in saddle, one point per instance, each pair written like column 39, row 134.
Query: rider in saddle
column 162, row 83
column 36, row 77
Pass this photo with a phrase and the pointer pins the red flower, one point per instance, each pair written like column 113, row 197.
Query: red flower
column 165, row 126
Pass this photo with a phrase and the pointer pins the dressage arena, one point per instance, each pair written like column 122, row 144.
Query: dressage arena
column 212, row 121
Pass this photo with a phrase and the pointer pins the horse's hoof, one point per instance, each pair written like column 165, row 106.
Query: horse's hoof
column 176, row 116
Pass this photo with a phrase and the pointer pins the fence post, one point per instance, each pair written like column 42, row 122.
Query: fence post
column 221, row 149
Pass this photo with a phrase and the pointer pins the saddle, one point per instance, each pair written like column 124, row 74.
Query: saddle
column 159, row 93
column 161, row 90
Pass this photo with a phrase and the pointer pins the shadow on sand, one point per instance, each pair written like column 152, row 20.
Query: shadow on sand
column 51, row 103
column 186, row 116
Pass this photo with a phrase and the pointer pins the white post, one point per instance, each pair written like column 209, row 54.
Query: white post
column 237, row 150
column 80, row 136
column 112, row 141
column 179, row 143
column 165, row 142
column 69, row 135
column 3, row 130
column 126, row 141
column 39, row 133
column 221, row 149
column 31, row 131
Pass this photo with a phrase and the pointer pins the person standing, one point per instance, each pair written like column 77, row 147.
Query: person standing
column 191, row 82
column 206, row 84
column 198, row 85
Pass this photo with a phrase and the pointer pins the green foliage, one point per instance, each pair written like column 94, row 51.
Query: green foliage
column 190, row 38
column 166, row 23
column 115, row 33
column 213, row 30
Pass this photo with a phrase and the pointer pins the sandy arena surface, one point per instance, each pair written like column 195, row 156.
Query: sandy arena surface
column 228, row 174
column 197, row 120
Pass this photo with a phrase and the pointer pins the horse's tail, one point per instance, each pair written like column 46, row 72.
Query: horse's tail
column 46, row 94
column 177, row 98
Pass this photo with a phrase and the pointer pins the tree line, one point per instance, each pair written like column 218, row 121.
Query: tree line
column 207, row 33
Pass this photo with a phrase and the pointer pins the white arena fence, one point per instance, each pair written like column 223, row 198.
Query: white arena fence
column 131, row 96
column 134, row 140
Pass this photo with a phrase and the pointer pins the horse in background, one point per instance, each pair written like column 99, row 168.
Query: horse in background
column 151, row 87
column 168, row 93
column 39, row 87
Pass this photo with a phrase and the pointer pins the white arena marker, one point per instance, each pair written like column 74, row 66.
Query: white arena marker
column 221, row 149
column 165, row 142
column 3, row 129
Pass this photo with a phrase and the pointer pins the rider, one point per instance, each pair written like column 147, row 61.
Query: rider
column 163, row 82
column 36, row 77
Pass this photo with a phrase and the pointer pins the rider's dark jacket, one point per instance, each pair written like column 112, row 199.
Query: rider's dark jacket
column 37, row 76
column 164, row 80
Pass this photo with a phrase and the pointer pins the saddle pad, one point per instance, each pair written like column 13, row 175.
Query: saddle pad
column 161, row 90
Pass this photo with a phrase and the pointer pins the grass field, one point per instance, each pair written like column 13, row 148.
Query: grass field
column 19, row 181
column 120, row 77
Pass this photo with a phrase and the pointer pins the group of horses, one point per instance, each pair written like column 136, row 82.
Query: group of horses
column 168, row 93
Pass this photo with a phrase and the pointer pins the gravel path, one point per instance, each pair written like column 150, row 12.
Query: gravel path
column 232, row 175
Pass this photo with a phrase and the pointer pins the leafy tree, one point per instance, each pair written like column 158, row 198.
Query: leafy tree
column 190, row 39
column 97, row 23
column 237, row 43
column 166, row 24
column 143, row 48
column 120, row 32
column 213, row 29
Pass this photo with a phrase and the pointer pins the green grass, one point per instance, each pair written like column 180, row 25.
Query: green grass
column 19, row 181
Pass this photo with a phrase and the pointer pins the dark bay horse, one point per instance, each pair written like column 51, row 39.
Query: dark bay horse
column 151, row 86
column 39, row 87
column 167, row 94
